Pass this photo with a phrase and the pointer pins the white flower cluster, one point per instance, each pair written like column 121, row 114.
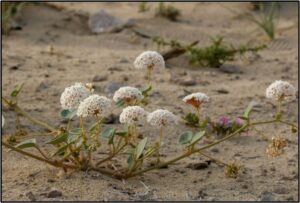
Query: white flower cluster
column 281, row 91
column 196, row 99
column 133, row 115
column 149, row 59
column 94, row 105
column 73, row 95
column 128, row 94
column 161, row 118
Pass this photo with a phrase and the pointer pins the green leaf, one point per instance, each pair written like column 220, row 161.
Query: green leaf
column 108, row 133
column 60, row 150
column 27, row 144
column 191, row 119
column 72, row 137
column 67, row 114
column 146, row 89
column 198, row 136
column 185, row 137
column 248, row 110
column 121, row 133
column 17, row 90
column 130, row 161
column 59, row 139
column 120, row 103
column 140, row 148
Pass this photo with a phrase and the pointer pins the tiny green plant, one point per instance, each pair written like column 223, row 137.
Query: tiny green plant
column 266, row 20
column 8, row 11
column 143, row 7
column 167, row 11
column 213, row 55
column 76, row 147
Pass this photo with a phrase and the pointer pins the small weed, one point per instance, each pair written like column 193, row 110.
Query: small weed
column 143, row 7
column 8, row 12
column 169, row 12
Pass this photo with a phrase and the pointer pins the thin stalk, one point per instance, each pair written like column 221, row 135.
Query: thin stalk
column 214, row 159
column 159, row 143
column 18, row 109
column 111, row 156
column 53, row 163
column 198, row 109
column 42, row 153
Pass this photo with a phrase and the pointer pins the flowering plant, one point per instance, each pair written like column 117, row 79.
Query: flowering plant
column 75, row 146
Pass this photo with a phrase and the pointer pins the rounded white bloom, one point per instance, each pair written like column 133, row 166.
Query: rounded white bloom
column 149, row 59
column 73, row 95
column 94, row 105
column 196, row 99
column 129, row 95
column 162, row 118
column 3, row 121
column 133, row 115
column 281, row 91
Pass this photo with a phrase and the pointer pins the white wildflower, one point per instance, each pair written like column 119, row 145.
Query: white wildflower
column 161, row 118
column 94, row 105
column 73, row 95
column 149, row 60
column 129, row 95
column 281, row 91
column 133, row 115
column 196, row 99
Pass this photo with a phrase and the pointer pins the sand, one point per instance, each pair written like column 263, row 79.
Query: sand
column 80, row 55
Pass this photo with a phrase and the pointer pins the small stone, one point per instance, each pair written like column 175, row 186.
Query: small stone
column 281, row 190
column 267, row 196
column 226, row 68
column 123, row 60
column 198, row 166
column 42, row 86
column 111, row 87
column 54, row 193
column 215, row 150
column 15, row 67
column 30, row 196
column 222, row 91
column 115, row 68
column 188, row 82
column 245, row 186
column 99, row 78
column 51, row 180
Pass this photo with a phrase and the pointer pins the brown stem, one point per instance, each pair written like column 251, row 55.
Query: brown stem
column 111, row 156
column 53, row 163
column 16, row 108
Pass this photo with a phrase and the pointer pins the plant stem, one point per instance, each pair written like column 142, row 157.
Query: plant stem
column 53, row 163
column 111, row 156
column 214, row 159
column 198, row 114
column 159, row 143
column 16, row 108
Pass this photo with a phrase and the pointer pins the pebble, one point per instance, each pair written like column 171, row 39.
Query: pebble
column 188, row 82
column 215, row 150
column 42, row 86
column 111, row 87
column 54, row 193
column 99, row 78
column 281, row 190
column 15, row 67
column 198, row 166
column 30, row 196
column 115, row 68
column 226, row 68
column 102, row 21
column 222, row 91
column 123, row 60
column 267, row 196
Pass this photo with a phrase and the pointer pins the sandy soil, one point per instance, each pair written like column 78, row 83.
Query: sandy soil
column 84, row 55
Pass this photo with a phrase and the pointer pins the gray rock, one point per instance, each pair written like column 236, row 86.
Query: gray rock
column 111, row 87
column 227, row 68
column 267, row 196
column 54, row 193
column 30, row 196
column 222, row 91
column 188, row 82
column 99, row 78
column 101, row 22
column 198, row 166
column 281, row 190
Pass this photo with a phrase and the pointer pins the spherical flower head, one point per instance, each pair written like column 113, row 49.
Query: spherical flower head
column 73, row 95
column 130, row 95
column 196, row 99
column 162, row 118
column 281, row 91
column 133, row 115
column 94, row 105
column 149, row 60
